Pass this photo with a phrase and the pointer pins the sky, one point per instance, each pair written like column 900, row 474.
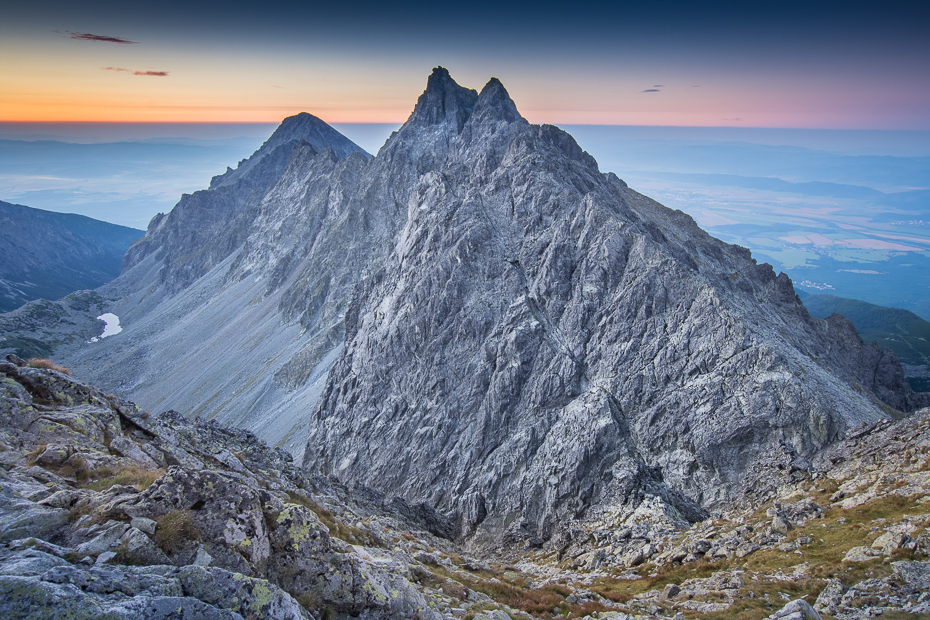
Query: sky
column 826, row 65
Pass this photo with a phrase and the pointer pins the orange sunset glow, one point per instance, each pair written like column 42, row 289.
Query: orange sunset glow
column 141, row 66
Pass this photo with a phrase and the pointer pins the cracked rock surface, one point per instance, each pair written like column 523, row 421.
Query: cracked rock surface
column 543, row 343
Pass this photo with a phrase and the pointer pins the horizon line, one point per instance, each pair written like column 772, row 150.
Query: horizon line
column 156, row 123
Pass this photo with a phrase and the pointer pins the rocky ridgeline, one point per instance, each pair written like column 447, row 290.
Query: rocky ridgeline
column 109, row 512
column 478, row 318
column 541, row 343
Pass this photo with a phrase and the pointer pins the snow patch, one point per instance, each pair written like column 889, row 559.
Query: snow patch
column 111, row 328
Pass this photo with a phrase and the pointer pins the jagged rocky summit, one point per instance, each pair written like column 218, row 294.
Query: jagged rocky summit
column 542, row 343
column 480, row 319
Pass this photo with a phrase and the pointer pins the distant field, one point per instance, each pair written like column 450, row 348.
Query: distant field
column 842, row 212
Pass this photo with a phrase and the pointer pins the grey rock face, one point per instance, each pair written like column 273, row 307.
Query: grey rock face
column 796, row 610
column 208, row 226
column 237, row 537
column 258, row 270
column 540, row 336
column 156, row 592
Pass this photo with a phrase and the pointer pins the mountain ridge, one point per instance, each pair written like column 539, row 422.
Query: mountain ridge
column 367, row 415
column 479, row 319
column 904, row 332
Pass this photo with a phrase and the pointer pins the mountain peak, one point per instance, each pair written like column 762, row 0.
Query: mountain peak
column 495, row 103
column 444, row 102
column 293, row 129
column 309, row 128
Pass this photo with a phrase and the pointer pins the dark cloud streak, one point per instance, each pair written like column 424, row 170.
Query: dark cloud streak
column 651, row 90
column 134, row 72
column 86, row 36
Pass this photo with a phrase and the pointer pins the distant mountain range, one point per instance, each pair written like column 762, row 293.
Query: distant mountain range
column 46, row 255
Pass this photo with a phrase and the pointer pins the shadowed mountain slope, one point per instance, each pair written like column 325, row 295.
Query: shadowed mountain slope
column 48, row 255
column 902, row 331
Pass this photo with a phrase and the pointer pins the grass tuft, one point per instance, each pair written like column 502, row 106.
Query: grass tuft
column 32, row 456
column 77, row 468
column 131, row 475
column 175, row 530
column 35, row 362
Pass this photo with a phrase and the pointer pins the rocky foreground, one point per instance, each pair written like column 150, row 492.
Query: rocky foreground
column 107, row 511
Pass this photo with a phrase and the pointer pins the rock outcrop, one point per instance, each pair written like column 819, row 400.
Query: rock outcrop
column 106, row 511
column 109, row 512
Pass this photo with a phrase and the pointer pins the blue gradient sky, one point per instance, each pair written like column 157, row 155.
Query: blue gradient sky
column 787, row 64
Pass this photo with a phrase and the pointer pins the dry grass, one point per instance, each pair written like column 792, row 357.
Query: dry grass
column 436, row 581
column 337, row 529
column 77, row 468
column 97, row 517
column 122, row 556
column 312, row 602
column 32, row 456
column 309, row 601
column 544, row 601
column 175, row 530
column 131, row 475
column 35, row 362
column 511, row 588
column 79, row 510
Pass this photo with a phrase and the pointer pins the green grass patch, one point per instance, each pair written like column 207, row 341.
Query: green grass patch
column 512, row 589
